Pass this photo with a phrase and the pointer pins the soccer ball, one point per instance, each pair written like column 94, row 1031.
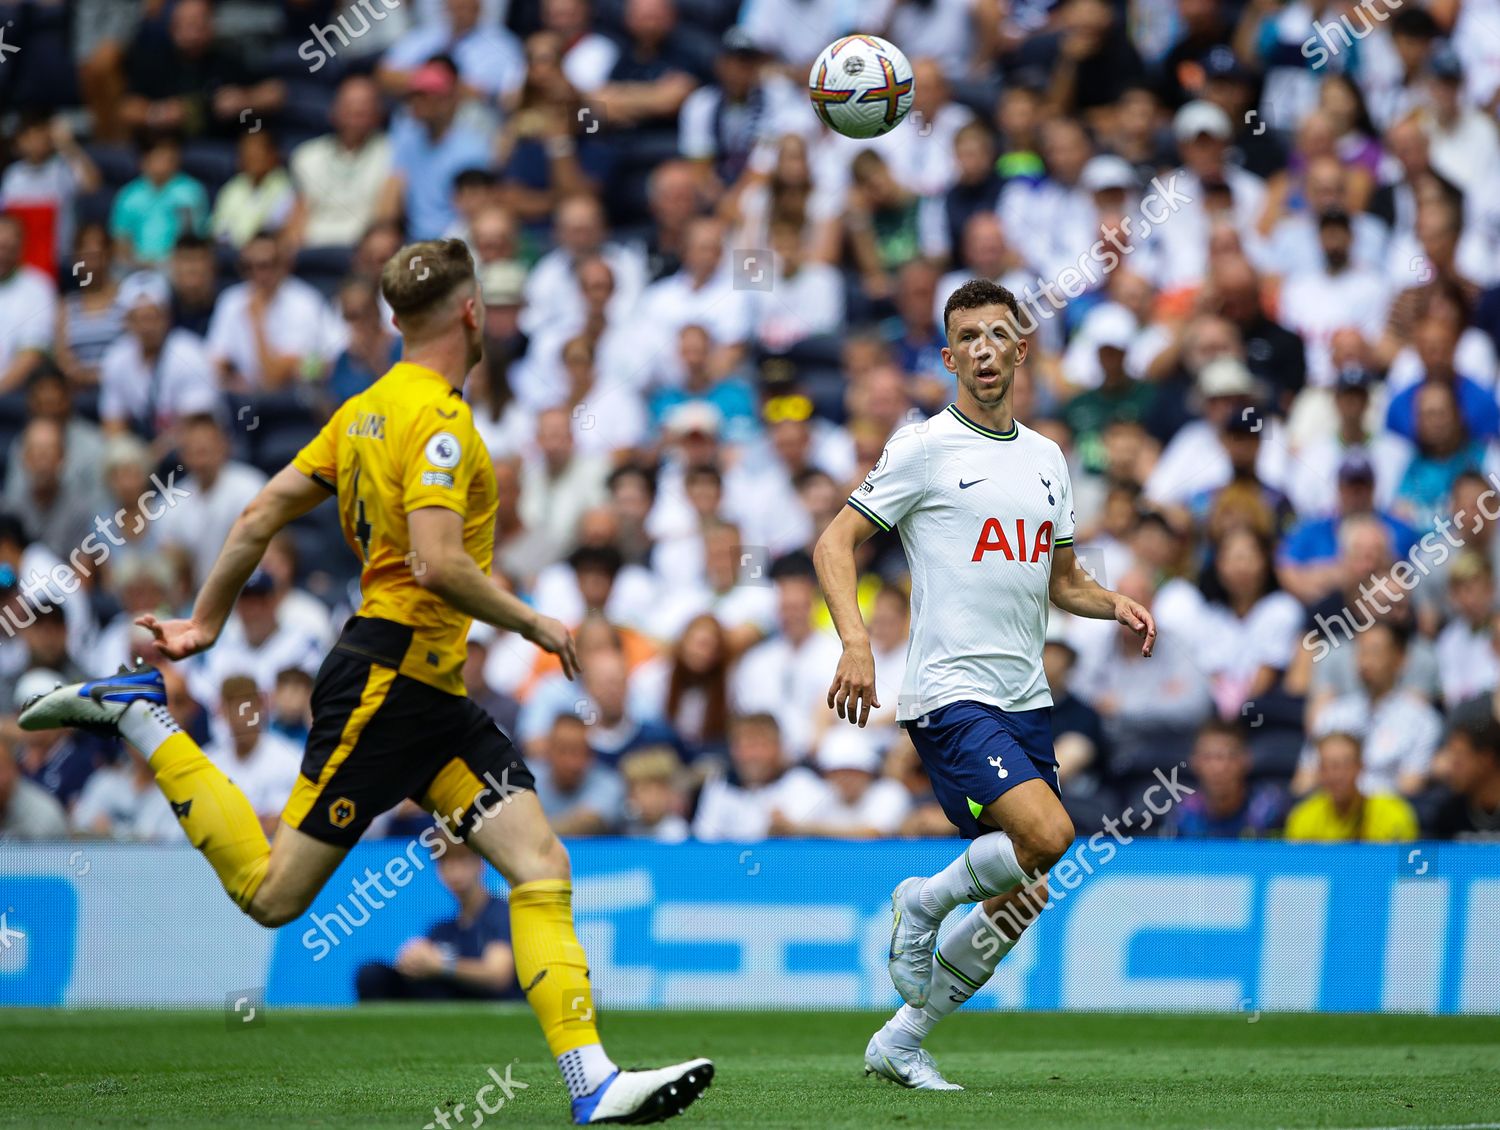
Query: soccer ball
column 861, row 86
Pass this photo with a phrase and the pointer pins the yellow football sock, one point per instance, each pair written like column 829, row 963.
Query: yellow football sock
column 550, row 963
column 217, row 818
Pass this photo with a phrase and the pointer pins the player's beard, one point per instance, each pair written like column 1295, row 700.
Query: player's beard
column 989, row 395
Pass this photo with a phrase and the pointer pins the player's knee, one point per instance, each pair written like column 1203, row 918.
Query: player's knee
column 272, row 908
column 1047, row 842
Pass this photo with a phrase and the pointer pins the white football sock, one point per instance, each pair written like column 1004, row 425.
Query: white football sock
column 147, row 726
column 966, row 959
column 585, row 1069
column 988, row 868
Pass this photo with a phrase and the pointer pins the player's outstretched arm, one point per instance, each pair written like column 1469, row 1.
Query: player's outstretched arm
column 1075, row 591
column 852, row 693
column 443, row 566
column 289, row 495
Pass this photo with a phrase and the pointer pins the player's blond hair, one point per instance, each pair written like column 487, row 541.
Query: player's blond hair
column 421, row 277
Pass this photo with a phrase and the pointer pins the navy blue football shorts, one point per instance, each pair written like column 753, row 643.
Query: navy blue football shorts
column 974, row 753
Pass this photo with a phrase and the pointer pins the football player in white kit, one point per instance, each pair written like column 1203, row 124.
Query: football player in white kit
column 985, row 512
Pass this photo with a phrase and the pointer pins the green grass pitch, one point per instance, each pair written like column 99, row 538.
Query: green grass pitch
column 391, row 1065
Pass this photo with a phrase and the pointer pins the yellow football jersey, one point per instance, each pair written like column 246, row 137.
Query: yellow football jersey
column 406, row 442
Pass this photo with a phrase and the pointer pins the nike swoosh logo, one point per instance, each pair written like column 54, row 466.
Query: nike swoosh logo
column 965, row 486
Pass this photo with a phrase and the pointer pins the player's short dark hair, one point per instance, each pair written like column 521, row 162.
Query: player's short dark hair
column 422, row 276
column 1475, row 719
column 977, row 293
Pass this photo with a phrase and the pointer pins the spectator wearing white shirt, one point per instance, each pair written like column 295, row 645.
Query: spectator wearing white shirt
column 860, row 804
column 763, row 787
column 1291, row 245
column 339, row 176
column 559, row 483
column 787, row 675
column 704, row 293
column 553, row 295
column 1464, row 141
column 216, row 490
column 257, row 641
column 487, row 55
column 28, row 309
column 1336, row 295
column 154, row 375
column 616, row 354
column 806, row 298
column 1053, row 221
column 1467, row 663
column 1401, row 730
column 272, row 330
column 262, row 764
column 1203, row 132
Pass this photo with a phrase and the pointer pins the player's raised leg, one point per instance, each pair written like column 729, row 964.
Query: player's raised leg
column 273, row 886
column 552, row 968
column 965, row 961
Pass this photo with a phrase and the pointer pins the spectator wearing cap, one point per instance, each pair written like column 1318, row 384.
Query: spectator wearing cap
column 655, row 798
column 262, row 763
column 1224, row 804
column 1346, row 807
column 1435, row 340
column 762, row 785
column 1111, row 329
column 433, row 140
column 787, row 675
column 151, row 212
column 1200, row 458
column 861, row 804
column 486, row 57
column 730, row 126
column 272, row 329
column 580, row 796
column 27, row 810
column 1399, row 729
column 1233, row 87
column 28, row 309
column 189, row 80
column 155, row 374
column 257, row 641
column 1337, row 294
column 1307, row 561
column 554, row 294
column 372, row 347
column 1465, row 648
column 1463, row 140
column 212, row 494
column 338, row 177
column 1469, row 808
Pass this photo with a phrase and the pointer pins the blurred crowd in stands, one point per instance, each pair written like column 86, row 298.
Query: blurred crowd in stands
column 706, row 313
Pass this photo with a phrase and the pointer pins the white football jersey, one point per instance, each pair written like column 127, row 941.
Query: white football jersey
column 980, row 514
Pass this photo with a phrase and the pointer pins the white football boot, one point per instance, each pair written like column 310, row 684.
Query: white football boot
column 912, row 1069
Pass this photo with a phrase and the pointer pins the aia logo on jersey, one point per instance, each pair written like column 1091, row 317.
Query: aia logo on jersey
column 1013, row 544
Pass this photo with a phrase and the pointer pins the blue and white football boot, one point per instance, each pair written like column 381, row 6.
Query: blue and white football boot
column 95, row 705
column 638, row 1097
